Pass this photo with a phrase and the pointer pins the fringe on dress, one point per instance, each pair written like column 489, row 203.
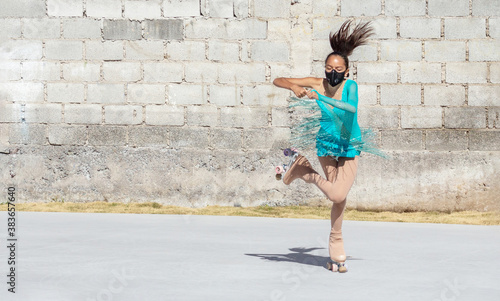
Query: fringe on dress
column 332, row 131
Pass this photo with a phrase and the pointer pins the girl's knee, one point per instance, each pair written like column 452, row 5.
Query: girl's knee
column 337, row 198
column 337, row 201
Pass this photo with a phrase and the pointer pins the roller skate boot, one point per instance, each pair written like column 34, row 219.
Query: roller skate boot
column 337, row 254
column 299, row 168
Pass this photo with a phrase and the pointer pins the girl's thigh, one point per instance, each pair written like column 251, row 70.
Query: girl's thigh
column 347, row 169
column 330, row 167
column 344, row 169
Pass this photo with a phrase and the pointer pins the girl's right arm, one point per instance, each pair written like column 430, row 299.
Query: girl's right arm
column 297, row 84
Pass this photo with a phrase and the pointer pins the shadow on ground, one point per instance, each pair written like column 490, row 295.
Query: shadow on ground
column 299, row 255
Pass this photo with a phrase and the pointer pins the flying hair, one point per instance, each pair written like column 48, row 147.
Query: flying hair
column 343, row 42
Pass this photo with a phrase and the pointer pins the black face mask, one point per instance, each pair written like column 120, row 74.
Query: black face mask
column 334, row 78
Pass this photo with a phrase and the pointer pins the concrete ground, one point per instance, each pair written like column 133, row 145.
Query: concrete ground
column 76, row 256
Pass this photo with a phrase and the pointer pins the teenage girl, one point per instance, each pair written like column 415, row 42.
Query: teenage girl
column 337, row 136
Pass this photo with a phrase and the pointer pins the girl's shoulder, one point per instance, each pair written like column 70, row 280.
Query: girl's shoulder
column 351, row 82
column 351, row 86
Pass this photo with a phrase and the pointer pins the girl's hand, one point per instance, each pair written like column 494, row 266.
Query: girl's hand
column 312, row 95
column 299, row 91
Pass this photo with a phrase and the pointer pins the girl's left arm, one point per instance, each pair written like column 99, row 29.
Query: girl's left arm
column 349, row 106
column 352, row 96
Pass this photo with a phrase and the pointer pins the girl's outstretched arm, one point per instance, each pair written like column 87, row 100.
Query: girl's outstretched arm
column 297, row 84
column 346, row 106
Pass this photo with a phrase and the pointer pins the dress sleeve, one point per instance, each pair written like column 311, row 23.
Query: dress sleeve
column 340, row 125
column 349, row 106
column 352, row 96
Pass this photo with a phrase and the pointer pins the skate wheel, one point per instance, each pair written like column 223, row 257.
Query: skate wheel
column 287, row 152
column 331, row 266
column 294, row 150
column 278, row 177
column 279, row 169
column 342, row 268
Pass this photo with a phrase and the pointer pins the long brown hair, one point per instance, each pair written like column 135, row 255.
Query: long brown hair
column 343, row 42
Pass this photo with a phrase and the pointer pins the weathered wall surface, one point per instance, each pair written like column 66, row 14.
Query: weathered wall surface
column 172, row 101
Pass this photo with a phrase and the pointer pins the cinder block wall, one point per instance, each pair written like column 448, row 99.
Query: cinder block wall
column 172, row 101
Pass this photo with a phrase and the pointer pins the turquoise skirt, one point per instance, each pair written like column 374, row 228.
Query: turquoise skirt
column 329, row 145
column 332, row 132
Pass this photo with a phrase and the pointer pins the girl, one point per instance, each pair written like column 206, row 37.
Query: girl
column 333, row 128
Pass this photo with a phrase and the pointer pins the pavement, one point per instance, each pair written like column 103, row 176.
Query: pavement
column 94, row 256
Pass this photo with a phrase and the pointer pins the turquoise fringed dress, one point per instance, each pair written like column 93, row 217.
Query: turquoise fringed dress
column 332, row 126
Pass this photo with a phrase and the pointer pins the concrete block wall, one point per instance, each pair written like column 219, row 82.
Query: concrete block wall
column 172, row 101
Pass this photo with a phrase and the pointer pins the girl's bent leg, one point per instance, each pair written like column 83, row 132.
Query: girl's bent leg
column 337, row 190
